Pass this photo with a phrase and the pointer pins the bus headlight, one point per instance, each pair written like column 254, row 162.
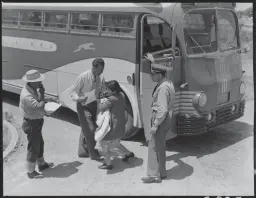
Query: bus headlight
column 242, row 88
column 209, row 116
column 233, row 108
column 200, row 100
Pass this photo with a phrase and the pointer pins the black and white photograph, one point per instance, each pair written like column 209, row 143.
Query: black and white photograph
column 129, row 99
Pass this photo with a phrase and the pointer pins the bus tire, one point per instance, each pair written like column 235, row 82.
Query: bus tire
column 130, row 130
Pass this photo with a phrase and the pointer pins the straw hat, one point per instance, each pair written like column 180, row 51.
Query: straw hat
column 33, row 76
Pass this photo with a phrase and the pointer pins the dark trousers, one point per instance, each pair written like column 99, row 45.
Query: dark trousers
column 87, row 119
column 156, row 149
column 33, row 129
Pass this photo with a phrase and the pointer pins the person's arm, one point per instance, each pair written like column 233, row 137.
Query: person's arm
column 162, row 106
column 32, row 103
column 77, row 87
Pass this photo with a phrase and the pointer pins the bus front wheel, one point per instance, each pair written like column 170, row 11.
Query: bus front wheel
column 130, row 130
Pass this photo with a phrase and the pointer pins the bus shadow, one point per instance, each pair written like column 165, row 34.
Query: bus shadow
column 66, row 115
column 202, row 145
column 212, row 142
column 10, row 98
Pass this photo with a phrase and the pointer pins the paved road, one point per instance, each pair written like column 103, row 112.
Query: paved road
column 217, row 163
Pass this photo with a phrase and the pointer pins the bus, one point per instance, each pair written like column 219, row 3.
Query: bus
column 198, row 43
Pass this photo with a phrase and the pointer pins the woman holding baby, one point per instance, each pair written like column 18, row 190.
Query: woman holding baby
column 114, row 102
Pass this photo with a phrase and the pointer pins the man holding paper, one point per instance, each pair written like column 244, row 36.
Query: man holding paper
column 84, row 92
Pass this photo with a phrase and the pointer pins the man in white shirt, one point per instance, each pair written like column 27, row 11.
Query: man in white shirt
column 86, row 82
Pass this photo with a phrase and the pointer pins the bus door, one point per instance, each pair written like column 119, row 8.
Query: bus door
column 157, row 38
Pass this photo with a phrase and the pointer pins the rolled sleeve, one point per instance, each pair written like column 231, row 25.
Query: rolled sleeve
column 161, row 106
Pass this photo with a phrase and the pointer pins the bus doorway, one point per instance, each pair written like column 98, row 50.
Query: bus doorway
column 157, row 38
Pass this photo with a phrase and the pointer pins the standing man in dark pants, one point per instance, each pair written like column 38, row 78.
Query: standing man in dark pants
column 162, row 107
column 86, row 82
column 31, row 105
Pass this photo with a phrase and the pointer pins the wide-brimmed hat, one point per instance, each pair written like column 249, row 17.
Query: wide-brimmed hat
column 33, row 76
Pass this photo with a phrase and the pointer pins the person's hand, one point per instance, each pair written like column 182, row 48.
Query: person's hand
column 51, row 99
column 82, row 99
column 150, row 57
column 41, row 89
column 153, row 130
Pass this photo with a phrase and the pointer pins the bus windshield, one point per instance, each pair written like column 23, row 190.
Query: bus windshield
column 227, row 30
column 200, row 31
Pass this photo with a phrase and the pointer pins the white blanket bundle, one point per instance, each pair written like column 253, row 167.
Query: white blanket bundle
column 103, row 120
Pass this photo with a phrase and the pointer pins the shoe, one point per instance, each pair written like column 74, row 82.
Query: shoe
column 34, row 174
column 105, row 166
column 45, row 166
column 127, row 157
column 83, row 155
column 151, row 180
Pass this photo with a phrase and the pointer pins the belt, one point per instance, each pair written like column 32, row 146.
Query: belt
column 35, row 120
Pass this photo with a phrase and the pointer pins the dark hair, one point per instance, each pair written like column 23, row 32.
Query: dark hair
column 113, row 85
column 163, row 73
column 98, row 61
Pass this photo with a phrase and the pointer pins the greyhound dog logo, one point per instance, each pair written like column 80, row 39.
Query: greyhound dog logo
column 86, row 46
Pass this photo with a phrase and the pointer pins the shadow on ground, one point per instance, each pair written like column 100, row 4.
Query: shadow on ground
column 205, row 144
column 180, row 171
column 66, row 115
column 62, row 170
column 212, row 142
column 10, row 98
column 120, row 166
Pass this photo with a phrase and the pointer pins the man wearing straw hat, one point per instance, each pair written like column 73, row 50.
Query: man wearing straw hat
column 86, row 82
column 162, row 106
column 32, row 102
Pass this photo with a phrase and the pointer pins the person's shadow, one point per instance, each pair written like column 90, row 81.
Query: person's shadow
column 180, row 171
column 120, row 166
column 62, row 170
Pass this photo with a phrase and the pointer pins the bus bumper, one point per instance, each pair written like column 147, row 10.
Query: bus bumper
column 194, row 125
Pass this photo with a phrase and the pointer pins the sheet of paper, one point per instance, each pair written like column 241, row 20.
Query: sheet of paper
column 67, row 101
column 51, row 106
column 90, row 97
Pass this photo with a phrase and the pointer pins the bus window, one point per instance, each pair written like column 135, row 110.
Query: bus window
column 157, row 35
column 31, row 18
column 227, row 30
column 200, row 31
column 123, row 23
column 10, row 17
column 54, row 20
column 84, row 21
